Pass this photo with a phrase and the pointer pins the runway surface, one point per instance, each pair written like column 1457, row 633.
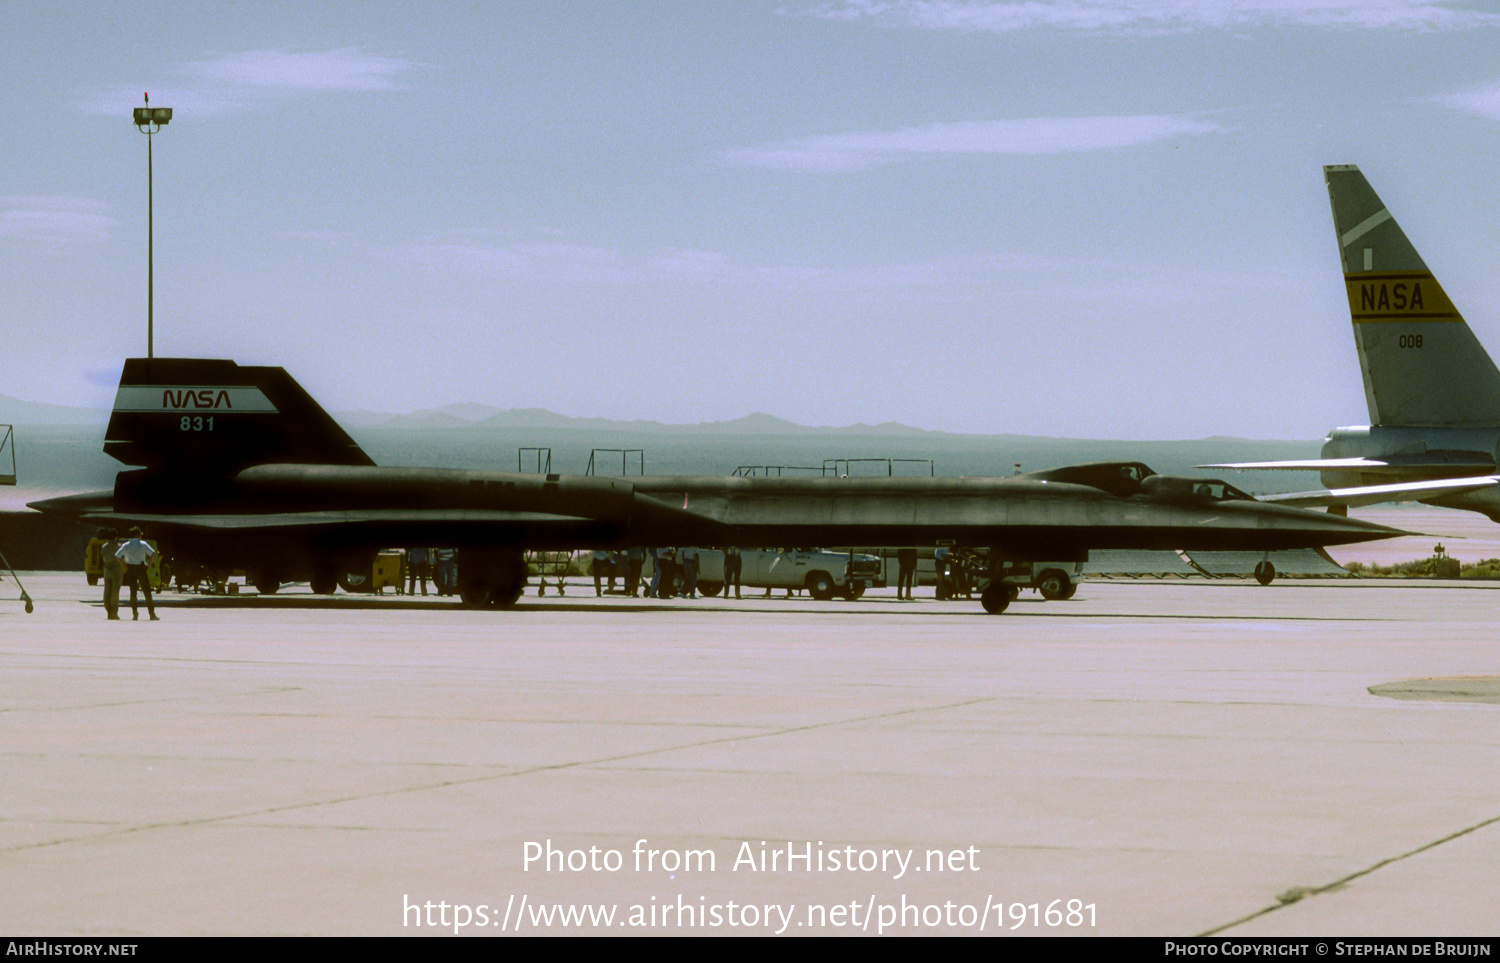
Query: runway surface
column 1149, row 758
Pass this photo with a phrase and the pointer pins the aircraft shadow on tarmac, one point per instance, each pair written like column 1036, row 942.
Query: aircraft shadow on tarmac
column 868, row 608
column 398, row 603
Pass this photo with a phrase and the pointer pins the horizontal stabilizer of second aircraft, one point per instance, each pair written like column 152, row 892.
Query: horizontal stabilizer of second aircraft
column 1375, row 494
column 1393, row 465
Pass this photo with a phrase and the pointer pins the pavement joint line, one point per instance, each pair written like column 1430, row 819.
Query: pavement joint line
column 1297, row 893
column 473, row 780
column 195, row 697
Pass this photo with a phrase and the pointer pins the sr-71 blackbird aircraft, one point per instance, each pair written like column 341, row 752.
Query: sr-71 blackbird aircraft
column 1432, row 390
column 238, row 467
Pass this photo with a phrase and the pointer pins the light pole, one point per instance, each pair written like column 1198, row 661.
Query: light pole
column 149, row 120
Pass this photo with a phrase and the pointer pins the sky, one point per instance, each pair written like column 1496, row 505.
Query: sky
column 1085, row 218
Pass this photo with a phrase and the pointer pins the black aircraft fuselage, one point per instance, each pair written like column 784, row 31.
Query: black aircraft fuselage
column 255, row 475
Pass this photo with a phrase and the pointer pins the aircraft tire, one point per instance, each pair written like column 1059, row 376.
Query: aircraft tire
column 1265, row 572
column 505, row 598
column 820, row 586
column 354, row 582
column 491, row 577
column 854, row 590
column 324, row 583
column 356, row 573
column 1055, row 585
column 265, row 584
column 996, row 598
column 710, row 589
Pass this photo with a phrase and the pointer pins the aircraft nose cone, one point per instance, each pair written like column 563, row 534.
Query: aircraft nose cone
column 1326, row 529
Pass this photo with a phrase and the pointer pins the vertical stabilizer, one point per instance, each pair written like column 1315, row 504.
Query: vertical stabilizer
column 1422, row 365
column 204, row 417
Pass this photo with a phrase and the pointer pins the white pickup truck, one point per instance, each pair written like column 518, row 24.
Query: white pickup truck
column 824, row 574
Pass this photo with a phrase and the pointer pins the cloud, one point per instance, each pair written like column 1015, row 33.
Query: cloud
column 55, row 218
column 1483, row 101
column 244, row 81
column 1157, row 16
column 544, row 259
column 344, row 69
column 1036, row 135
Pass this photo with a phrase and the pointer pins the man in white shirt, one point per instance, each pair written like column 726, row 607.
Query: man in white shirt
column 136, row 553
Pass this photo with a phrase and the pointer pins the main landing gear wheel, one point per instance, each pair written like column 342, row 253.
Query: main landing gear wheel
column 1265, row 572
column 265, row 584
column 353, row 582
column 996, row 598
column 356, row 574
column 854, row 590
column 323, row 583
column 476, row 595
column 491, row 578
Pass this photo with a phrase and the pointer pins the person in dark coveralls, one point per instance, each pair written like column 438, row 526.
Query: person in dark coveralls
column 419, row 569
column 635, row 560
column 733, row 566
column 136, row 553
column 602, row 570
column 906, row 568
column 446, row 578
column 688, row 559
column 114, row 572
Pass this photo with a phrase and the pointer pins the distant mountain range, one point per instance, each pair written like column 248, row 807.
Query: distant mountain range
column 482, row 416
column 60, row 448
column 15, row 411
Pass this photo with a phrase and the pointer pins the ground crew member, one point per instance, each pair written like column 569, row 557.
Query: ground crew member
column 136, row 553
column 114, row 572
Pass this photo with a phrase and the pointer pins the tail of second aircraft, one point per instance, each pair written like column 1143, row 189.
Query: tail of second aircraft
column 1422, row 365
column 207, row 417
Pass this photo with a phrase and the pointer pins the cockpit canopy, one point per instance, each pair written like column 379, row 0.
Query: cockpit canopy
column 1192, row 489
column 1126, row 479
column 1120, row 478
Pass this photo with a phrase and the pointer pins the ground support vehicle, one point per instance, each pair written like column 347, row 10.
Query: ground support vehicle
column 1055, row 581
column 824, row 574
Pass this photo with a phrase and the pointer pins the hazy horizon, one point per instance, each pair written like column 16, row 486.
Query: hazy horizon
column 464, row 415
